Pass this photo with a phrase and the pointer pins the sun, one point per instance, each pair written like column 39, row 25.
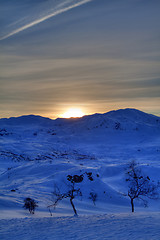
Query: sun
column 73, row 113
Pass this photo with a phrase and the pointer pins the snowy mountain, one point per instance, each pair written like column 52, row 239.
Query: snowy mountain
column 38, row 153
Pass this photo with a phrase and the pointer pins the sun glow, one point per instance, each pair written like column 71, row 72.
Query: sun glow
column 73, row 112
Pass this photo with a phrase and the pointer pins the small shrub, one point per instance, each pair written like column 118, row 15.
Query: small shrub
column 93, row 197
column 30, row 204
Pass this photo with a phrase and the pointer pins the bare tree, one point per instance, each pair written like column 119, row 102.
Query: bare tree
column 71, row 194
column 72, row 191
column 140, row 186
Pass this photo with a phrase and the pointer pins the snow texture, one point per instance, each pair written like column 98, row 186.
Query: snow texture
column 37, row 154
column 123, row 226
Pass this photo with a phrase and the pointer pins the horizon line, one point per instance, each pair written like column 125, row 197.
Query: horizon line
column 114, row 110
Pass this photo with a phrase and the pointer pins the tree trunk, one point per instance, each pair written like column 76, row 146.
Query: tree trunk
column 74, row 209
column 132, row 204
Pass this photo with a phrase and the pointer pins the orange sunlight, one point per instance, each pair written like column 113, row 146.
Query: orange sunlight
column 73, row 112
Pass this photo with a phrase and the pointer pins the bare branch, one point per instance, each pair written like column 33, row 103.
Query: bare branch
column 139, row 185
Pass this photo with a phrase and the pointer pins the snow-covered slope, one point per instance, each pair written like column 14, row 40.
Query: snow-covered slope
column 110, row 226
column 38, row 153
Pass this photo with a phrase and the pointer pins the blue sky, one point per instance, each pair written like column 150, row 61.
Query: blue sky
column 97, row 55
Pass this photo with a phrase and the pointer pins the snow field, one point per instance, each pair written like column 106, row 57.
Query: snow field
column 113, row 226
column 37, row 153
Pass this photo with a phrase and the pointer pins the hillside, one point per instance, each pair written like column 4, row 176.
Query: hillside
column 38, row 153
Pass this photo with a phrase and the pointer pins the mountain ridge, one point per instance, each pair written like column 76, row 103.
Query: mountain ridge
column 119, row 113
column 118, row 125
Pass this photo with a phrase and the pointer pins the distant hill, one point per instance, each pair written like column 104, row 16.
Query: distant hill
column 125, row 124
column 122, row 115
column 26, row 120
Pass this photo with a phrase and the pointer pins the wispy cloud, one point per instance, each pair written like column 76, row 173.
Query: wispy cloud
column 42, row 19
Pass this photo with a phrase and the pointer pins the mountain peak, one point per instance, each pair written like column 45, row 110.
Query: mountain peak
column 25, row 120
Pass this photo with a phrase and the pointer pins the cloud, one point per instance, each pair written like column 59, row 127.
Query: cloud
column 78, row 80
column 101, row 55
column 42, row 19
